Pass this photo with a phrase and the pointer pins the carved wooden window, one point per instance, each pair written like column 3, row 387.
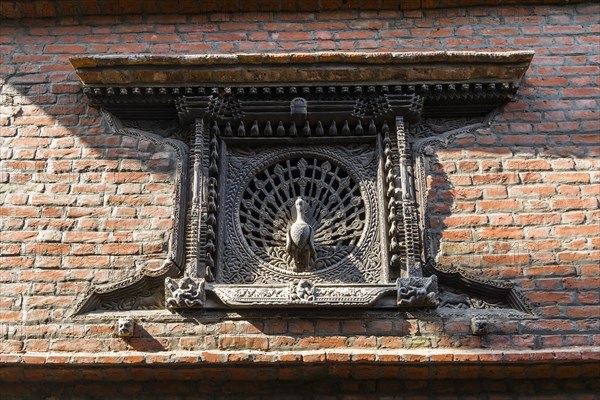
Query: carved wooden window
column 301, row 175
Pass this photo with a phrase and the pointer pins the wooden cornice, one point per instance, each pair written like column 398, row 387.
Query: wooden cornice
column 303, row 68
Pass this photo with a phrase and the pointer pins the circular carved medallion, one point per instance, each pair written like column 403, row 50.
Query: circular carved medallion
column 302, row 214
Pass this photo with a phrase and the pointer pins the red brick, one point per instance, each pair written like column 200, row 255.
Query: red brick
column 462, row 220
column 537, row 219
column 499, row 205
column 243, row 342
column 88, row 237
column 495, row 178
column 577, row 230
column 505, row 259
column 327, row 327
column 532, row 191
column 120, row 248
column 501, row 233
column 567, row 177
column 574, row 204
column 301, row 327
column 466, row 193
column 77, row 345
column 457, row 235
column 527, row 165
column 581, row 92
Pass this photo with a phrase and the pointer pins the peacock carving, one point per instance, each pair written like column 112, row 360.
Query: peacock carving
column 302, row 214
column 300, row 242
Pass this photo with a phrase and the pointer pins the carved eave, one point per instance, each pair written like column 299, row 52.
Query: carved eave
column 452, row 84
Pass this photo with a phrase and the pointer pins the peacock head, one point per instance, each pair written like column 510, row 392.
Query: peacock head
column 300, row 205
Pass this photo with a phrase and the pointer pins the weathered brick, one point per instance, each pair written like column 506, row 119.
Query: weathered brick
column 499, row 205
column 243, row 342
column 103, row 210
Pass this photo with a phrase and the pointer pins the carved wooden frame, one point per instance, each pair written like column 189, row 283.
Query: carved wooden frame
column 206, row 239
column 386, row 97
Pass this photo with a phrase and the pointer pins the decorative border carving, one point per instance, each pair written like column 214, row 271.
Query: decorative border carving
column 201, row 236
column 406, row 198
column 302, row 293
column 425, row 138
column 143, row 290
column 221, row 103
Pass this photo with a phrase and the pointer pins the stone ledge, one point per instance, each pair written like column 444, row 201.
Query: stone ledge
column 405, row 366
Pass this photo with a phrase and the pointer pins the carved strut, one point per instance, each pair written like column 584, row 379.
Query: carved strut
column 300, row 242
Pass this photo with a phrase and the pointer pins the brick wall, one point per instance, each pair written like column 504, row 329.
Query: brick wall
column 518, row 201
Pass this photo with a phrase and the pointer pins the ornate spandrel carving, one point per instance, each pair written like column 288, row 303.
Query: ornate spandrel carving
column 454, row 299
column 144, row 289
column 430, row 127
column 303, row 293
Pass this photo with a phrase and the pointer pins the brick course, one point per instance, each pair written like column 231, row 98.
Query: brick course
column 518, row 200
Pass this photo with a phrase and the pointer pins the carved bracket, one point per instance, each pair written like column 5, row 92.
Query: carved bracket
column 186, row 292
column 417, row 292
